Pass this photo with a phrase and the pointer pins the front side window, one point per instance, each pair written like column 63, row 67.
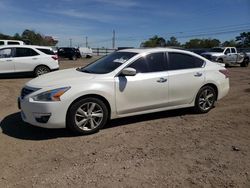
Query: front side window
column 227, row 51
column 25, row 52
column 108, row 63
column 179, row 61
column 6, row 53
column 13, row 43
column 154, row 62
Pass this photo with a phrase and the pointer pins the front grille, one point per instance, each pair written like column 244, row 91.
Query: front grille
column 27, row 91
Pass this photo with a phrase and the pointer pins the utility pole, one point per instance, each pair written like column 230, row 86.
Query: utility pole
column 70, row 42
column 86, row 42
column 113, row 40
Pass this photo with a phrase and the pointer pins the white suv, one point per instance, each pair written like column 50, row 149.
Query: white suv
column 26, row 58
column 124, row 83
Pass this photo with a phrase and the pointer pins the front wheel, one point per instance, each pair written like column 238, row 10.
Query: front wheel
column 205, row 99
column 87, row 116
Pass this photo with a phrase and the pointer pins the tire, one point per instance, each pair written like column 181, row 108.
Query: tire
column 81, row 118
column 40, row 70
column 74, row 58
column 205, row 99
column 220, row 60
column 245, row 63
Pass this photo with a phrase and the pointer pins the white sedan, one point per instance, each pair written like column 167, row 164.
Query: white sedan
column 125, row 83
column 20, row 59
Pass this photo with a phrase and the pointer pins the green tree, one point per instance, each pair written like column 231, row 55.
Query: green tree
column 173, row 42
column 154, row 42
column 229, row 43
column 243, row 39
column 202, row 43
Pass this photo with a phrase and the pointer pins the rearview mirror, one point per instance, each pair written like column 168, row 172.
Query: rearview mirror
column 128, row 72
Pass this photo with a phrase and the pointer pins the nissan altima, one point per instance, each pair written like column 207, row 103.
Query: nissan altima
column 125, row 83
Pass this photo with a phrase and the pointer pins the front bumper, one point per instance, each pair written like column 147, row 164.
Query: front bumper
column 43, row 114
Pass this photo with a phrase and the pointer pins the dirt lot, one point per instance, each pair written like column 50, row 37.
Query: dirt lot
column 168, row 149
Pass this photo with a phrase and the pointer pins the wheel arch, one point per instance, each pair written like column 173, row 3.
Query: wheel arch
column 214, row 87
column 41, row 65
column 103, row 99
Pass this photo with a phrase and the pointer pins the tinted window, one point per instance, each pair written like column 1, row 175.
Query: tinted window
column 227, row 51
column 108, row 63
column 1, row 42
column 183, row 61
column 13, row 43
column 233, row 50
column 25, row 52
column 140, row 65
column 154, row 62
column 5, row 53
column 46, row 51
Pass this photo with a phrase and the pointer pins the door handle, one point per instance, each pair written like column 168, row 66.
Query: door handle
column 34, row 58
column 162, row 80
column 8, row 60
column 198, row 74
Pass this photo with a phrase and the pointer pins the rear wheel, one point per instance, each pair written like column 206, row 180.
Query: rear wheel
column 245, row 62
column 205, row 99
column 40, row 70
column 87, row 116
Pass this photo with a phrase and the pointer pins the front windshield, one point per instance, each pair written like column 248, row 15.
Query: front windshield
column 217, row 50
column 108, row 63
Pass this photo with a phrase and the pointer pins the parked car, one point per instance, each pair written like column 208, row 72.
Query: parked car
column 86, row 52
column 70, row 53
column 11, row 42
column 27, row 59
column 227, row 55
column 125, row 83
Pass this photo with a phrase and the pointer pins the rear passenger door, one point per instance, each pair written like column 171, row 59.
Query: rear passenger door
column 25, row 59
column 6, row 60
column 186, row 77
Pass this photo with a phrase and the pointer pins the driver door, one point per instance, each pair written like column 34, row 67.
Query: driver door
column 147, row 90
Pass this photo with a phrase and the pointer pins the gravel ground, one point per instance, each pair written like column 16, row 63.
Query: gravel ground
column 168, row 149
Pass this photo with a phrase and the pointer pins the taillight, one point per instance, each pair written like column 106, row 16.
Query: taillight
column 55, row 57
column 225, row 72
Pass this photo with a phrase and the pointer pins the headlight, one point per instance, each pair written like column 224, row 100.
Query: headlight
column 51, row 95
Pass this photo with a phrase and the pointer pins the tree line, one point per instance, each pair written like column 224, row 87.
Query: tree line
column 31, row 37
column 243, row 40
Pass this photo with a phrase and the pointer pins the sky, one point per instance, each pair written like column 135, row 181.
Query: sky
column 133, row 21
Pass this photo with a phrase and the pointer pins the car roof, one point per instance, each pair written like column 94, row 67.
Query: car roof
column 150, row 50
column 25, row 46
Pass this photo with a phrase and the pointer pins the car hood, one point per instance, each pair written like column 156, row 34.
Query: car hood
column 62, row 77
column 212, row 53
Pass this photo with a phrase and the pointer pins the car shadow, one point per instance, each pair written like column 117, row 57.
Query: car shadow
column 13, row 126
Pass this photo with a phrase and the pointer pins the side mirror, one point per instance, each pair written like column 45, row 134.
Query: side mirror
column 128, row 72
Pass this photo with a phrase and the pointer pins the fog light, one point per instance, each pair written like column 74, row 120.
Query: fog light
column 42, row 117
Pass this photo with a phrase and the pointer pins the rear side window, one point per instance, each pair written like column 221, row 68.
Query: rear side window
column 13, row 43
column 233, row 50
column 183, row 61
column 46, row 51
column 1, row 42
column 154, row 62
column 6, row 53
column 25, row 52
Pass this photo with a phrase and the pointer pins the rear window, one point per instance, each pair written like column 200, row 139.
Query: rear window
column 46, row 51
